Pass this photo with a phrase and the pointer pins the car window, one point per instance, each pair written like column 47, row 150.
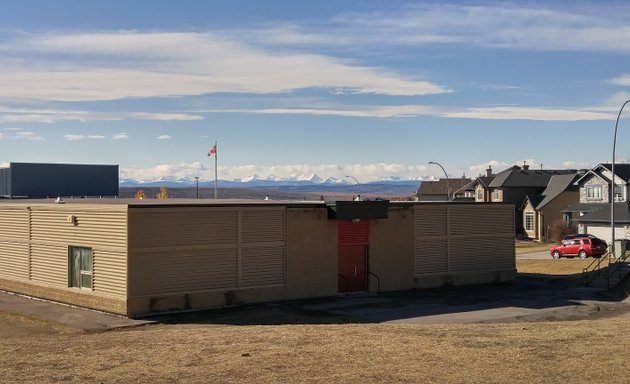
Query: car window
column 586, row 241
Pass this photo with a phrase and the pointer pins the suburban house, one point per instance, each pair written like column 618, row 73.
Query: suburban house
column 479, row 189
column 592, row 212
column 140, row 257
column 443, row 189
column 541, row 211
column 515, row 184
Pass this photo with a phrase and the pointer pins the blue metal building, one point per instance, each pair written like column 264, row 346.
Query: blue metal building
column 39, row 180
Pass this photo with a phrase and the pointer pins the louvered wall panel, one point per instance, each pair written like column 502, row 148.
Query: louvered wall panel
column 492, row 253
column 262, row 265
column 14, row 224
column 183, row 271
column 262, row 225
column 49, row 264
column 485, row 220
column 431, row 255
column 105, row 228
column 14, row 260
column 431, row 251
column 182, row 227
column 431, row 220
column 110, row 272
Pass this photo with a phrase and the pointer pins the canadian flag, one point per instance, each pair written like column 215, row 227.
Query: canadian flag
column 212, row 151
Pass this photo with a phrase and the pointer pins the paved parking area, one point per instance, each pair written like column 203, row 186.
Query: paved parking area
column 522, row 300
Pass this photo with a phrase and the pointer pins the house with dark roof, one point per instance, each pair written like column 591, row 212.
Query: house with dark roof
column 479, row 189
column 440, row 189
column 592, row 211
column 541, row 210
column 515, row 184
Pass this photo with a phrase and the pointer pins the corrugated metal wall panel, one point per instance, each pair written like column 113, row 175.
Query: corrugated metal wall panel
column 5, row 181
column 353, row 233
column 454, row 238
column 14, row 260
column 13, row 224
column 431, row 256
column 184, row 271
column 182, row 227
column 431, row 249
column 261, row 266
column 431, row 220
column 96, row 228
column 262, row 225
column 110, row 272
column 40, row 180
column 175, row 250
column 49, row 264
column 489, row 254
column 486, row 220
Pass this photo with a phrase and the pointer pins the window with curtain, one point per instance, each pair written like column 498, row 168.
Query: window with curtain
column 80, row 267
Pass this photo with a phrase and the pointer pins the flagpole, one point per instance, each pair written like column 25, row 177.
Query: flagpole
column 216, row 180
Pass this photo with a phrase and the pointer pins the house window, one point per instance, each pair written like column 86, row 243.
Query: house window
column 618, row 194
column 529, row 221
column 480, row 194
column 80, row 267
column 496, row 195
column 593, row 192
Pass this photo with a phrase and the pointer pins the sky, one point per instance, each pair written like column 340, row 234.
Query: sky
column 368, row 89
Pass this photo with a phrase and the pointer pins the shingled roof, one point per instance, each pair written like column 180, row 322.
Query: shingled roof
column 440, row 187
column 515, row 177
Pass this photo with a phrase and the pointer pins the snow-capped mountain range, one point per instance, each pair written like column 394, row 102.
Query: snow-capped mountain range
column 269, row 181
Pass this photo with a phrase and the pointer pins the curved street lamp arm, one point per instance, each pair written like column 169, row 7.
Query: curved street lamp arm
column 612, row 183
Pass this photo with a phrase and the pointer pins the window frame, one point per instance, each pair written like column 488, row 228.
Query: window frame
column 529, row 218
column 77, row 278
column 594, row 192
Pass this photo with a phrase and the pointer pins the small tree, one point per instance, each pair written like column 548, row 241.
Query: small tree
column 559, row 229
column 163, row 194
column 140, row 194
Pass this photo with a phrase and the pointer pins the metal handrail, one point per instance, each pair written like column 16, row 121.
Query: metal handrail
column 347, row 282
column 616, row 266
column 595, row 264
column 378, row 282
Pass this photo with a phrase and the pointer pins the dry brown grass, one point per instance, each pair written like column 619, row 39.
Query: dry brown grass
column 484, row 353
column 553, row 267
column 527, row 247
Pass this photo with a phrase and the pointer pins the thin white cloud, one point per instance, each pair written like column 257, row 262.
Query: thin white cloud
column 623, row 80
column 503, row 25
column 74, row 137
column 120, row 136
column 486, row 113
column 164, row 137
column 50, row 116
column 175, row 64
column 96, row 137
column 19, row 133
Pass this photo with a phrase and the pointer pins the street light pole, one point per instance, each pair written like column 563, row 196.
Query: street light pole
column 197, row 181
column 612, row 183
column 448, row 181
column 359, row 184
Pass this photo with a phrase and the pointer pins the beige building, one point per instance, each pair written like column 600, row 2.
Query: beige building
column 137, row 258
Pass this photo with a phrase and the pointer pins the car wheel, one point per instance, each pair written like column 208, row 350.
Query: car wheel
column 555, row 254
column 582, row 254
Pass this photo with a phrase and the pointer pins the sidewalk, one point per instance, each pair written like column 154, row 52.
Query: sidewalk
column 78, row 318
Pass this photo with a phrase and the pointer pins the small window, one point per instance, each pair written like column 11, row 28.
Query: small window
column 529, row 221
column 80, row 267
column 479, row 194
column 586, row 241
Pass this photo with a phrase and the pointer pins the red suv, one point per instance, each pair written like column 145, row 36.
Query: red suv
column 580, row 246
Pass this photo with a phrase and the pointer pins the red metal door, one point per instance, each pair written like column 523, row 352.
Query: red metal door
column 352, row 251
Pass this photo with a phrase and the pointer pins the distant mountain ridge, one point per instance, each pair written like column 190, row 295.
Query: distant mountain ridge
column 302, row 183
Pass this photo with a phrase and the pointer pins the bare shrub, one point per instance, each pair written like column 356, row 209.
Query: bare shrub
column 559, row 229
